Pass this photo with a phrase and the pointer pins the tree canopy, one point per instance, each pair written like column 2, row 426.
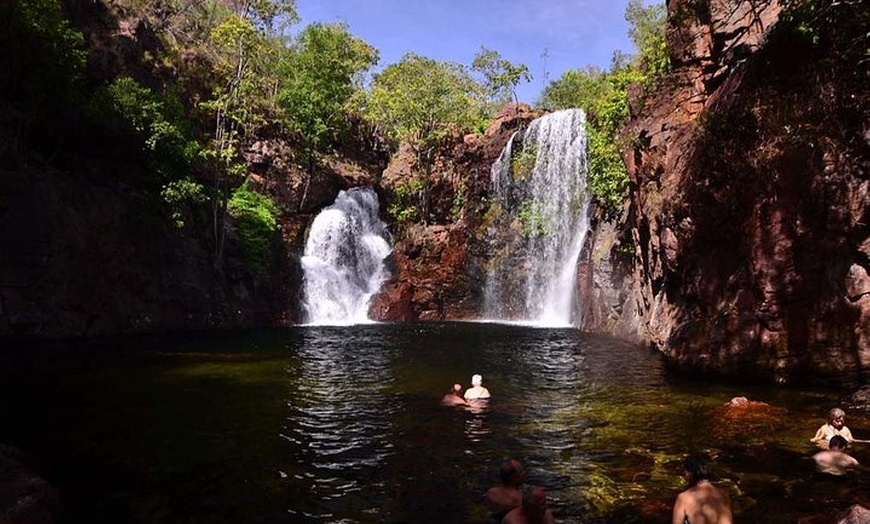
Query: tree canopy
column 604, row 97
column 419, row 100
column 319, row 76
column 501, row 77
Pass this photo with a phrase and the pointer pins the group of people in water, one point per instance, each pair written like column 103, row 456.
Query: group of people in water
column 833, row 437
column 476, row 393
column 700, row 503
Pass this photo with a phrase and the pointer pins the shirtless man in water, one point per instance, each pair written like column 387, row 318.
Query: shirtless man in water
column 454, row 397
column 507, row 496
column 533, row 511
column 834, row 460
column 702, row 503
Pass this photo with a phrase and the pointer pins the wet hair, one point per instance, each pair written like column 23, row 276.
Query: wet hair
column 697, row 469
column 476, row 380
column 509, row 469
column 838, row 442
column 535, row 497
column 836, row 413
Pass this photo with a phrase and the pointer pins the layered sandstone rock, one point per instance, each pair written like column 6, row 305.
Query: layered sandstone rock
column 750, row 197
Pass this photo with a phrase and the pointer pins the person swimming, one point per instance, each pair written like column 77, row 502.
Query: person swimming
column 702, row 502
column 506, row 496
column 476, row 391
column 834, row 426
column 454, row 397
column 835, row 460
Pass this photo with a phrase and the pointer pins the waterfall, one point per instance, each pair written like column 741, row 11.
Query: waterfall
column 344, row 259
column 538, row 222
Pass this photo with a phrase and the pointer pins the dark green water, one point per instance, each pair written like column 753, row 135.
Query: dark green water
column 344, row 425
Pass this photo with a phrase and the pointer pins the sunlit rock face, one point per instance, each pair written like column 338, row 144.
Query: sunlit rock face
column 750, row 199
column 439, row 265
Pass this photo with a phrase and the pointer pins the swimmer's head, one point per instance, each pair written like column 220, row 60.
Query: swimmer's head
column 476, row 380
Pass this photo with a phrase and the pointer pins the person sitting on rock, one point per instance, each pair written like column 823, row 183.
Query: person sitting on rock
column 834, row 426
column 834, row 460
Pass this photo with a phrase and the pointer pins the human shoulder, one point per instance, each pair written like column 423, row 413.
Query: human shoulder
column 514, row 516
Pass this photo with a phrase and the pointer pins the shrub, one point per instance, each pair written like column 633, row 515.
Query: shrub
column 256, row 220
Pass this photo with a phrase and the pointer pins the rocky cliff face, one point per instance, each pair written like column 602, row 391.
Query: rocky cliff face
column 439, row 267
column 750, row 195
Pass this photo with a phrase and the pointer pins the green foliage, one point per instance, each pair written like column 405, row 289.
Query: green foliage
column 404, row 207
column 647, row 30
column 158, row 121
column 320, row 76
column 576, row 88
column 841, row 24
column 256, row 221
column 420, row 101
column 523, row 161
column 604, row 97
column 501, row 77
column 185, row 200
column 608, row 180
column 268, row 16
column 533, row 219
column 42, row 65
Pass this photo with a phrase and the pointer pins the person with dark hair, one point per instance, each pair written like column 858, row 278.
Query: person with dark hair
column 454, row 397
column 834, row 460
column 702, row 502
column 507, row 496
column 533, row 510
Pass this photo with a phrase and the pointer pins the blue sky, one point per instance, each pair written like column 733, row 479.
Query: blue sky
column 574, row 33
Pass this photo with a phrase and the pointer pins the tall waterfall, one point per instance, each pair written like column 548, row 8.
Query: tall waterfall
column 538, row 222
column 344, row 259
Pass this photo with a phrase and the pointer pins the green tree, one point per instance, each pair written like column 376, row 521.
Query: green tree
column 41, row 76
column 158, row 121
column 576, row 88
column 604, row 97
column 420, row 101
column 256, row 219
column 648, row 27
column 243, row 57
column 501, row 77
column 320, row 75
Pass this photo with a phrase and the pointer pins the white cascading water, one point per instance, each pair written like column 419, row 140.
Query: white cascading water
column 344, row 260
column 540, row 222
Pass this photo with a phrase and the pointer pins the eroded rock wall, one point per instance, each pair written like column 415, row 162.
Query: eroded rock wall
column 750, row 197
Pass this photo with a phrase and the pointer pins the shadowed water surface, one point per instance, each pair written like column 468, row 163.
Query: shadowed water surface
column 344, row 425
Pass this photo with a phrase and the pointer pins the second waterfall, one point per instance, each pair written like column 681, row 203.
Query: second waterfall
column 538, row 222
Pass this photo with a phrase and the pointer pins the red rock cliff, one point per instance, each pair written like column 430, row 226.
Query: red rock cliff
column 750, row 195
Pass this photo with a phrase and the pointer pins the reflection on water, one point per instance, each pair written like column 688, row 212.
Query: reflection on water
column 345, row 425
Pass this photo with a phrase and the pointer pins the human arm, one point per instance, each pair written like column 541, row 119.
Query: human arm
column 821, row 435
column 846, row 433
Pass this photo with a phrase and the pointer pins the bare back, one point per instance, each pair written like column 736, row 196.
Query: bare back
column 702, row 504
